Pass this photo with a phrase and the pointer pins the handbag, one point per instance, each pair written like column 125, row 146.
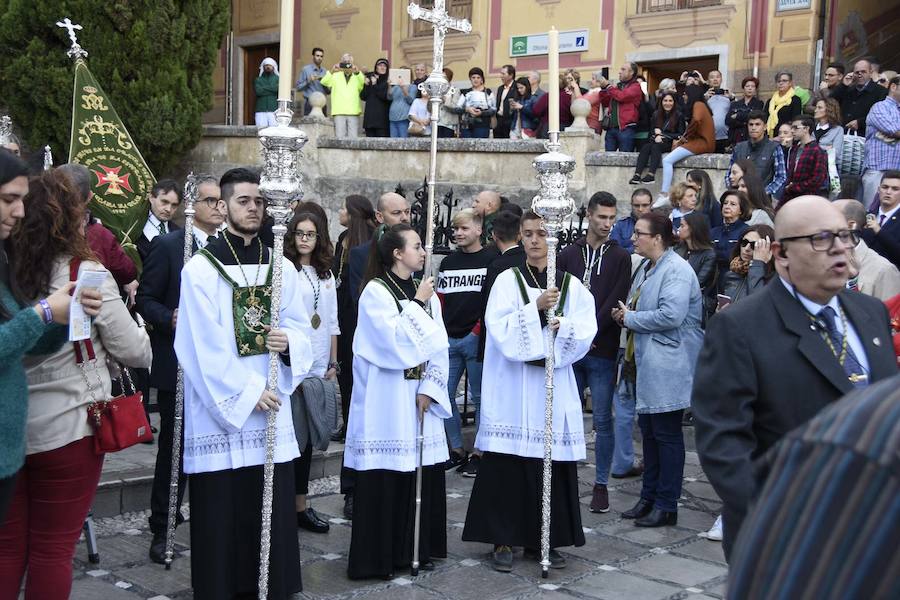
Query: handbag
column 415, row 129
column 119, row 422
column 852, row 155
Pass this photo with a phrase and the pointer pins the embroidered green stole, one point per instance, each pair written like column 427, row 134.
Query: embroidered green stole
column 563, row 293
column 251, row 308
column 417, row 371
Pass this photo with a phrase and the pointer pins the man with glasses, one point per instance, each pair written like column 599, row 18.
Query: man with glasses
column 641, row 199
column 774, row 360
column 807, row 162
column 833, row 75
column 857, row 99
column 157, row 302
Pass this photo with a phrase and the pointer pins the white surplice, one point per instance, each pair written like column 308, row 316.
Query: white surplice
column 222, row 428
column 383, row 421
column 320, row 338
column 512, row 392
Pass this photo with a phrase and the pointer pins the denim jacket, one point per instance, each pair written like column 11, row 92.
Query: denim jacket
column 668, row 334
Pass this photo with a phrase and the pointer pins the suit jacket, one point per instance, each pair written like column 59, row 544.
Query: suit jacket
column 763, row 371
column 359, row 257
column 143, row 244
column 157, row 299
column 887, row 242
column 513, row 94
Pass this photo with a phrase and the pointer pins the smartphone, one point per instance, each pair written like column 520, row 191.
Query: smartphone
column 722, row 301
column 605, row 72
column 720, row 92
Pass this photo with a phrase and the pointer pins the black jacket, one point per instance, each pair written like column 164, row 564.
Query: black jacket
column 514, row 257
column 736, row 119
column 887, row 242
column 157, row 299
column 609, row 287
column 378, row 105
column 855, row 103
column 704, row 264
column 788, row 113
column 764, row 371
column 506, row 119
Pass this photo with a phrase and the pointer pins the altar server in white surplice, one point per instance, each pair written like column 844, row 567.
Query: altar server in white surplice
column 223, row 339
column 400, row 366
column 505, row 506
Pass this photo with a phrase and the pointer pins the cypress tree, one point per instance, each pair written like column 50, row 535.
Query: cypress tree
column 154, row 58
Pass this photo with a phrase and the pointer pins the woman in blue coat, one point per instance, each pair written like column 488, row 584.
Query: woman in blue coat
column 663, row 319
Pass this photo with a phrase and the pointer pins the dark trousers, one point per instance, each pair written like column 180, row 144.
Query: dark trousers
column 378, row 132
column 619, row 139
column 7, row 486
column 141, row 379
column 663, row 458
column 54, row 491
column 162, row 474
column 477, row 132
column 301, row 470
column 445, row 132
column 501, row 131
column 650, row 156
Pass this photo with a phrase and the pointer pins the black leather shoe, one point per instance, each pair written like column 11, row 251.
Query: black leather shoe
column 657, row 518
column 641, row 509
column 348, row 507
column 310, row 521
column 427, row 565
column 158, row 549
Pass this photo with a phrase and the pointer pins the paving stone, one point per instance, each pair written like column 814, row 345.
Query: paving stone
column 336, row 541
column 616, row 585
column 395, row 592
column 327, row 578
column 329, row 506
column 117, row 551
column 457, row 508
column 602, row 549
column 705, row 549
column 155, row 578
column 683, row 571
column 700, row 489
column 462, row 550
column 480, row 582
column 529, row 568
column 649, row 536
column 695, row 519
column 95, row 589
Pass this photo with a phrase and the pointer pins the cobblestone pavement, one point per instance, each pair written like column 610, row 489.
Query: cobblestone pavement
column 618, row 560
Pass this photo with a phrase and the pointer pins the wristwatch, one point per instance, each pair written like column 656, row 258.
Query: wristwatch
column 336, row 365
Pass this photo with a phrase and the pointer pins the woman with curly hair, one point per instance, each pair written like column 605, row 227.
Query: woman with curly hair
column 56, row 485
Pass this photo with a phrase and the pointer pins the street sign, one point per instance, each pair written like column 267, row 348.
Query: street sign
column 529, row 45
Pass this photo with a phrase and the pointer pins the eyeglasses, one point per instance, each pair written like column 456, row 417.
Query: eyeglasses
column 212, row 202
column 863, row 72
column 637, row 234
column 745, row 242
column 882, row 80
column 306, row 235
column 824, row 240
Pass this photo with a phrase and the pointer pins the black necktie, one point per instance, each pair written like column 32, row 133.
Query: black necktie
column 852, row 367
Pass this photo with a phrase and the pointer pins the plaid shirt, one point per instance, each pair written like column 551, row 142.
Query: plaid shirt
column 807, row 171
column 883, row 152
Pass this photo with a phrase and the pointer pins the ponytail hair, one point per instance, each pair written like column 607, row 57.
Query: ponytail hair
column 381, row 254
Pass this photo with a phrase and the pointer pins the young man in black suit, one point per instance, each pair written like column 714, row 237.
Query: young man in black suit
column 165, row 196
column 771, row 362
column 505, row 92
column 882, row 232
column 157, row 303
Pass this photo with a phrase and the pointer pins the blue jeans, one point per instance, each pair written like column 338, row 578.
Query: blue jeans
column 676, row 155
column 476, row 132
column 623, row 401
column 400, row 129
column 663, row 458
column 620, row 139
column 463, row 356
column 600, row 375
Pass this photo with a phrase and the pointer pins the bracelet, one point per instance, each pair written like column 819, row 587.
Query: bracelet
column 336, row 366
column 48, row 314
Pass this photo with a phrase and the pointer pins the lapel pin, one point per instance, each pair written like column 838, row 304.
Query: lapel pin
column 877, row 341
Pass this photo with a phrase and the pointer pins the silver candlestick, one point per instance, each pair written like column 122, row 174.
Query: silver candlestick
column 190, row 198
column 554, row 205
column 280, row 184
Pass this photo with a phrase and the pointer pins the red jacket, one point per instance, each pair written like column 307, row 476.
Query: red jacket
column 628, row 98
column 106, row 247
column 893, row 306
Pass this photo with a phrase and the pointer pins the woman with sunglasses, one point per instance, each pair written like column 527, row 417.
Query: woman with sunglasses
column 752, row 265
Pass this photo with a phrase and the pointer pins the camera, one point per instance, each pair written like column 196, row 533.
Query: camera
column 719, row 92
column 346, row 65
column 695, row 74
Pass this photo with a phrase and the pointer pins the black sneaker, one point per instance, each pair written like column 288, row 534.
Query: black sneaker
column 456, row 460
column 502, row 559
column 650, row 178
column 470, row 469
column 635, row 179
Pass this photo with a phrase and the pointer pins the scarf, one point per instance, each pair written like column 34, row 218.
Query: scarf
column 268, row 61
column 740, row 266
column 775, row 104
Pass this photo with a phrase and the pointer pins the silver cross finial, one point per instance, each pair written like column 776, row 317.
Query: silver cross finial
column 5, row 130
column 76, row 51
column 441, row 21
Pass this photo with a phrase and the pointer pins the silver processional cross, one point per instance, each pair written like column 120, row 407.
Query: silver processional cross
column 441, row 21
column 76, row 51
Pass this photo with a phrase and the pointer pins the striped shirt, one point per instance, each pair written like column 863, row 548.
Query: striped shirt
column 827, row 520
column 882, row 151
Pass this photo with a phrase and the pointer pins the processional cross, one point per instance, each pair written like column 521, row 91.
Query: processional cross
column 76, row 51
column 441, row 21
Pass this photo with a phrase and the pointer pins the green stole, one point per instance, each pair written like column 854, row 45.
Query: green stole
column 252, row 313
column 563, row 294
column 413, row 372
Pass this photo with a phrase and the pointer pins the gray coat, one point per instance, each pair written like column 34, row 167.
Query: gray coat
column 668, row 334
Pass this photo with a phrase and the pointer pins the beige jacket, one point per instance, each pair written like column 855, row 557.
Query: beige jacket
column 878, row 277
column 57, row 393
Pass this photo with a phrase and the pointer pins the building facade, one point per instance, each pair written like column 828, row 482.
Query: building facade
column 665, row 38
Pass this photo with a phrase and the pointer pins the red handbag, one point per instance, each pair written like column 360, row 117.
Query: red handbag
column 119, row 422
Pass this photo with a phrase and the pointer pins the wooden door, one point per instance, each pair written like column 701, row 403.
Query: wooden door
column 253, row 55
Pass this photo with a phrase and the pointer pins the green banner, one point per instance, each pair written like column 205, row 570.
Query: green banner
column 121, row 179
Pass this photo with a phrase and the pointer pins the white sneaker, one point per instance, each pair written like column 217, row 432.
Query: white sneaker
column 661, row 201
column 715, row 532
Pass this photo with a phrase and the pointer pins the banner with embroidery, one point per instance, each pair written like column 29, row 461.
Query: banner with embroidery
column 120, row 178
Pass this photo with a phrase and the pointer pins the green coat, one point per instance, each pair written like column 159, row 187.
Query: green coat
column 24, row 333
column 266, row 87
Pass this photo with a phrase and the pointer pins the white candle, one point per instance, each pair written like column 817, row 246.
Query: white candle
column 553, row 76
column 285, row 60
